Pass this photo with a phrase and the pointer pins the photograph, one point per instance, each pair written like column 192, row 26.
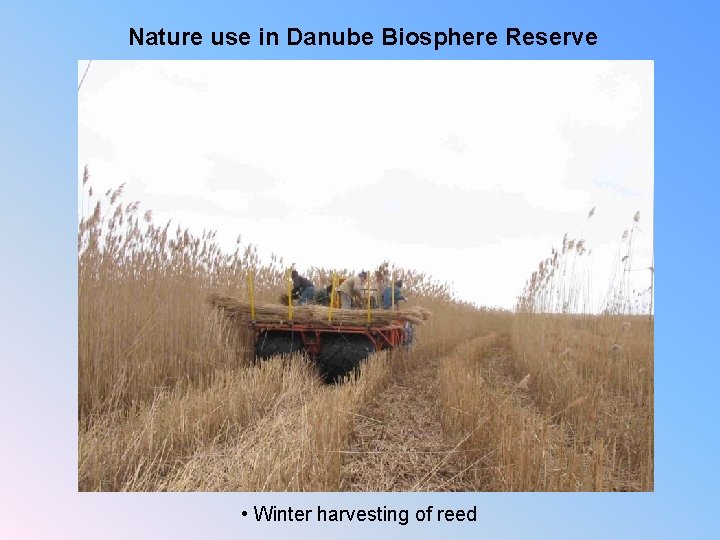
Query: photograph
column 365, row 276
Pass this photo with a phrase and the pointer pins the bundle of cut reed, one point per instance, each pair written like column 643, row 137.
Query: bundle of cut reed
column 312, row 314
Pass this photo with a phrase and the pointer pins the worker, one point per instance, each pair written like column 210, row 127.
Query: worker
column 350, row 288
column 303, row 289
column 387, row 296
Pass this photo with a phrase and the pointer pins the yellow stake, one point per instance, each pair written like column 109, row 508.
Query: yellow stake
column 332, row 297
column 289, row 294
column 369, row 311
column 251, row 292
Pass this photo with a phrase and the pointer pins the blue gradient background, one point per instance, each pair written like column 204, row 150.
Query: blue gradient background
column 41, row 45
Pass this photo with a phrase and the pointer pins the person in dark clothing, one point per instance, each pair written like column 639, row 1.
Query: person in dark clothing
column 303, row 289
column 387, row 297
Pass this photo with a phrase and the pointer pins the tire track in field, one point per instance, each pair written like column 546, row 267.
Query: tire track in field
column 568, row 464
column 398, row 442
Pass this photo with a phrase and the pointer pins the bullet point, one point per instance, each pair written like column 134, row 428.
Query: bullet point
column 244, row 512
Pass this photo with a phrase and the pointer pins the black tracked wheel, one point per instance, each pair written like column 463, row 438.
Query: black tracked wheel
column 342, row 354
column 269, row 344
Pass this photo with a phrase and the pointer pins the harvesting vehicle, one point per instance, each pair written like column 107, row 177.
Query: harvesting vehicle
column 337, row 340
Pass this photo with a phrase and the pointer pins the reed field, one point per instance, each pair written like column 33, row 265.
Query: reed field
column 545, row 397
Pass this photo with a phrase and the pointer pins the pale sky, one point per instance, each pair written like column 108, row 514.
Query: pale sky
column 468, row 170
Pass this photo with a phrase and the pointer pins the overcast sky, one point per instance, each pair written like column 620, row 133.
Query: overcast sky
column 470, row 171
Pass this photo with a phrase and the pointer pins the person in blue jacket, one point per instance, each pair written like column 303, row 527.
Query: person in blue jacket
column 387, row 297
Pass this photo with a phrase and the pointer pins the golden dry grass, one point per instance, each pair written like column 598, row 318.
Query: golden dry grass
column 169, row 398
column 593, row 372
column 508, row 444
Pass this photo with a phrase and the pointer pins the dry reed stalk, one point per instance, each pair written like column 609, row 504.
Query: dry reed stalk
column 163, row 378
column 313, row 314
column 606, row 358
column 293, row 449
column 508, row 445
column 572, row 358
column 126, row 451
